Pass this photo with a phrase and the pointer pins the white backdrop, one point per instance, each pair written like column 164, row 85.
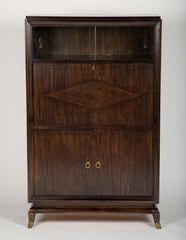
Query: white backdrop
column 13, row 163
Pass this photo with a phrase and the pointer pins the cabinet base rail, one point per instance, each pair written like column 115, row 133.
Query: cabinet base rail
column 133, row 210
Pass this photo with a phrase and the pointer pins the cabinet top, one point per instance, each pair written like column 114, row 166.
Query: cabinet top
column 92, row 21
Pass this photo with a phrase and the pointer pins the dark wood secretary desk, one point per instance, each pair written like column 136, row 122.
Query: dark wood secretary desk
column 93, row 114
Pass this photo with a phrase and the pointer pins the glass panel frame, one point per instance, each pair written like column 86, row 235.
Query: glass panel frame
column 120, row 43
column 63, row 43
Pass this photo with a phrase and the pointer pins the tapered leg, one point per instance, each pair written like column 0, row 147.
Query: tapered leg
column 156, row 217
column 31, row 217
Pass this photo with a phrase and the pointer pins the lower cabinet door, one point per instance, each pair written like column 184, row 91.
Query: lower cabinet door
column 95, row 163
column 126, row 163
column 62, row 162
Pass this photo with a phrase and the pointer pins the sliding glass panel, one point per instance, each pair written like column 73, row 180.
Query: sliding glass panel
column 117, row 43
column 65, row 43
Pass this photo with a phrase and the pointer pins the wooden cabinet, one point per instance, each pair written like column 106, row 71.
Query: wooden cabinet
column 93, row 112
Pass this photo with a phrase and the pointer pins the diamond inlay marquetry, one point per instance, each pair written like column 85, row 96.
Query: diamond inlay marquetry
column 93, row 95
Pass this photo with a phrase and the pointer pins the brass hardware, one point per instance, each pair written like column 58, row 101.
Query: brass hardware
column 87, row 165
column 30, row 224
column 40, row 43
column 145, row 43
column 158, row 226
column 98, row 165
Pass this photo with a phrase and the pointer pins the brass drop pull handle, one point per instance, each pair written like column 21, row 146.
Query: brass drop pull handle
column 40, row 43
column 145, row 43
column 98, row 165
column 87, row 165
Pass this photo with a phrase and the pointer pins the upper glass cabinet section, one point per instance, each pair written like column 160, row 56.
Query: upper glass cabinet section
column 65, row 43
column 93, row 43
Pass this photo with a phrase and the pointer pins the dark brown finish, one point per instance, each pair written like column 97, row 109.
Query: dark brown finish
column 30, row 113
column 63, row 43
column 59, row 169
column 128, row 103
column 93, row 95
column 93, row 112
column 93, row 21
column 119, row 43
column 135, row 210
column 93, row 43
